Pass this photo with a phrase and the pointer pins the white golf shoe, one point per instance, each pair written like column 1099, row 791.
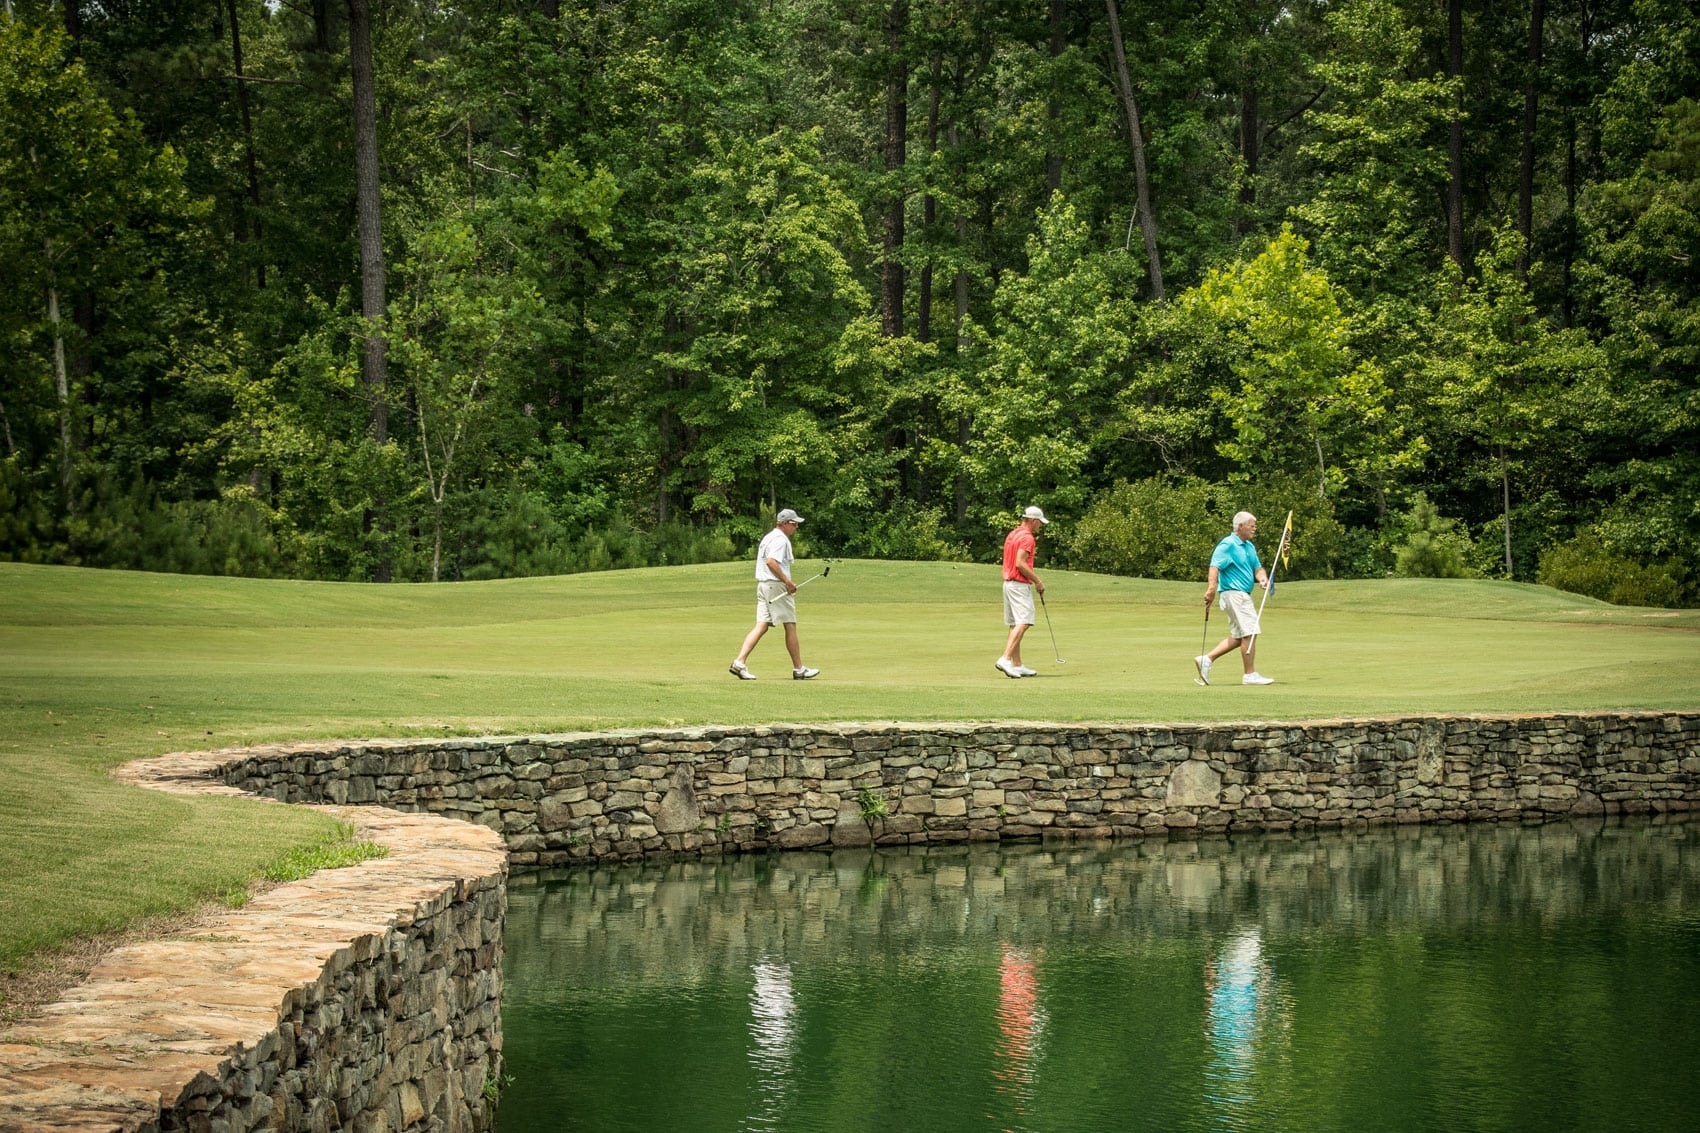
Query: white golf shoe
column 1257, row 679
column 1202, row 664
column 737, row 669
column 1026, row 672
column 804, row 674
column 1008, row 668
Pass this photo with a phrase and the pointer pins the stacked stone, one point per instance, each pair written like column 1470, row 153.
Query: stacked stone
column 625, row 795
column 360, row 998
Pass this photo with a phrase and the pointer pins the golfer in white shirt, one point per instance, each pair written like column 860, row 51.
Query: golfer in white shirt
column 776, row 602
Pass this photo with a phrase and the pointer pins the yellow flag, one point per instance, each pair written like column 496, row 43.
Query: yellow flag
column 1287, row 541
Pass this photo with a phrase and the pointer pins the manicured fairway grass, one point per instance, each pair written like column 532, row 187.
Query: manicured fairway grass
column 100, row 667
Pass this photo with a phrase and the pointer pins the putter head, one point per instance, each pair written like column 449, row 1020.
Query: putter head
column 826, row 571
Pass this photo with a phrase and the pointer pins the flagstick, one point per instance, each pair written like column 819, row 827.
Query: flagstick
column 1286, row 533
column 1269, row 579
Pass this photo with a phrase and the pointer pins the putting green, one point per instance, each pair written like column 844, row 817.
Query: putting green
column 99, row 667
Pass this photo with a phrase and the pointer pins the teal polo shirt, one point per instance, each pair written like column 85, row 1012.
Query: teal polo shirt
column 1236, row 559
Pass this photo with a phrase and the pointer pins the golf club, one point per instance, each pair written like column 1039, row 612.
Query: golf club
column 823, row 573
column 1203, row 640
column 1054, row 651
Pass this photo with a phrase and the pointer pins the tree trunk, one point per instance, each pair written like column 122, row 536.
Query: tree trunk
column 372, row 301
column 437, row 545
column 1505, row 487
column 62, row 387
column 1250, row 135
column 375, row 367
column 251, row 229
column 1147, row 223
column 1568, row 302
column 964, row 434
column 1455, row 134
column 929, row 213
column 73, row 18
column 1053, row 111
column 1321, row 465
column 896, row 154
column 322, row 26
column 1526, row 166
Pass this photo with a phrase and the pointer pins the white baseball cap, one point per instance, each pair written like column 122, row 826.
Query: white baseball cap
column 1034, row 513
column 786, row 515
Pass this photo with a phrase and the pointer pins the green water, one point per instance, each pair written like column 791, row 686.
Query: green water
column 1487, row 978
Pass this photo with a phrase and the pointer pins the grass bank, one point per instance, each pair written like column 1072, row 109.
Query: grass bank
column 100, row 667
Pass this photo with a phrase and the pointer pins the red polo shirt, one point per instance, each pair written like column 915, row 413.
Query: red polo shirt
column 1012, row 544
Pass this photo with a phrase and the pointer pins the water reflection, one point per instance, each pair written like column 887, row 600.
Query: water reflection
column 1403, row 980
column 1020, row 1026
column 772, row 1009
column 1244, row 1022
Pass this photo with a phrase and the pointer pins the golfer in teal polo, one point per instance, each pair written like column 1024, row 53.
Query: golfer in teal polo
column 1234, row 569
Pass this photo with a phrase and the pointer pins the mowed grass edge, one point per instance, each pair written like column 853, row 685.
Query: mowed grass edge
column 97, row 668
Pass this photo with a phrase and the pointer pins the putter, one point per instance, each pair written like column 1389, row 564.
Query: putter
column 1054, row 651
column 826, row 571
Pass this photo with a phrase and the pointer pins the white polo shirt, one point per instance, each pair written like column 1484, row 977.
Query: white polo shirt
column 776, row 545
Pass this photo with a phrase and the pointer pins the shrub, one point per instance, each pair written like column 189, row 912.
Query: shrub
column 1156, row 528
column 913, row 533
column 1434, row 546
column 1166, row 526
column 516, row 535
column 26, row 522
column 1585, row 565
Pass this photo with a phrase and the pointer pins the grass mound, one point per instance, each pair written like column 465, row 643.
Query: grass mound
column 100, row 667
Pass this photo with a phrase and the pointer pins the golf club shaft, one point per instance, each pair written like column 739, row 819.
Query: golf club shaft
column 1056, row 653
column 812, row 577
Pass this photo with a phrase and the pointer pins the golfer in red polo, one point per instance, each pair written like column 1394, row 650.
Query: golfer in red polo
column 1019, row 580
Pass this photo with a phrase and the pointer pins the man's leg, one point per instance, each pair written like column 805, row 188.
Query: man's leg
column 1248, row 653
column 1226, row 645
column 791, row 645
column 1012, row 650
column 750, row 642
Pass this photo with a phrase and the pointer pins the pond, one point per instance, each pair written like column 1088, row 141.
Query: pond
column 1440, row 978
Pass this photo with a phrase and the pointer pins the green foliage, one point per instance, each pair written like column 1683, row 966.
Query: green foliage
column 912, row 533
column 1433, row 546
column 336, row 850
column 1167, row 526
column 1161, row 527
column 872, row 805
column 494, row 1086
column 637, row 257
column 1376, row 152
column 1062, row 339
column 1585, row 565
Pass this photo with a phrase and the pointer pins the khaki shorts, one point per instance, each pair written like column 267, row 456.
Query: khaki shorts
column 1018, row 604
column 774, row 606
column 1242, row 613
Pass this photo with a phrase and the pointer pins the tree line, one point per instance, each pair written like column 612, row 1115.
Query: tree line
column 401, row 290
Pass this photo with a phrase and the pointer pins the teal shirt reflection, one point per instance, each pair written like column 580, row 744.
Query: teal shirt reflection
column 1244, row 1020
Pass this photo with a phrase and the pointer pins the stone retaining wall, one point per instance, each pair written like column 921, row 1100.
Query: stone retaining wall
column 369, row 998
column 365, row 998
column 623, row 795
